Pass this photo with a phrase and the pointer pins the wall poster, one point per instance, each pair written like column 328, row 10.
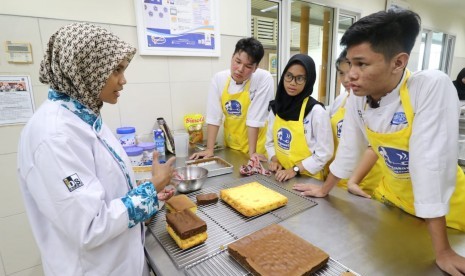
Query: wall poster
column 16, row 99
column 178, row 27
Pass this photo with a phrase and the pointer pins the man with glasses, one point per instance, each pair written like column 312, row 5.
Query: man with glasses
column 240, row 96
column 299, row 137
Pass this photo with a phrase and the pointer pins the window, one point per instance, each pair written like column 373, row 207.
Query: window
column 288, row 27
column 436, row 50
column 265, row 28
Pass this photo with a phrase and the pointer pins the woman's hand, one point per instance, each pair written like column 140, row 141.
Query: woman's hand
column 283, row 175
column 161, row 173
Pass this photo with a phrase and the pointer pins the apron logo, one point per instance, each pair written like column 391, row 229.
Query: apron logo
column 399, row 119
column 73, row 182
column 339, row 128
column 233, row 107
column 396, row 160
column 284, row 138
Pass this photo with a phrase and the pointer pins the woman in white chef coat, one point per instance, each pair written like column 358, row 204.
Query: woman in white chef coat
column 299, row 137
column 79, row 189
column 409, row 119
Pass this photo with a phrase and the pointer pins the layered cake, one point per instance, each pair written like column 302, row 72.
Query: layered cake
column 274, row 250
column 252, row 199
column 179, row 203
column 186, row 228
column 205, row 199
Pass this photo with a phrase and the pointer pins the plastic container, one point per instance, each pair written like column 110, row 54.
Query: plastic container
column 159, row 139
column 127, row 136
column 147, row 154
column 135, row 155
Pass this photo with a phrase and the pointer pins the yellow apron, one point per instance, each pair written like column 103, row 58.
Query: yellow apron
column 371, row 180
column 395, row 186
column 290, row 144
column 235, row 108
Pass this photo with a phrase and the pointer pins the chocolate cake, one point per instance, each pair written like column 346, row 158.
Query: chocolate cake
column 274, row 250
column 185, row 223
column 204, row 199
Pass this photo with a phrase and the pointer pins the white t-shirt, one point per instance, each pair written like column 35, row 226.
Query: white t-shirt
column 83, row 230
column 318, row 135
column 261, row 93
column 432, row 146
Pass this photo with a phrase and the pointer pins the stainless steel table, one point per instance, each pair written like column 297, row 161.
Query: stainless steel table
column 364, row 235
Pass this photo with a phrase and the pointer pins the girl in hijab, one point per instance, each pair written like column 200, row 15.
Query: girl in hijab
column 299, row 137
column 459, row 83
column 84, row 208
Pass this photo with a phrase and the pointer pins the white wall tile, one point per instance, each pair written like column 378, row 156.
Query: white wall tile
column 11, row 201
column 142, row 103
column 187, row 98
column 33, row 271
column 190, row 69
column 10, row 136
column 2, row 269
column 40, row 95
column 17, row 245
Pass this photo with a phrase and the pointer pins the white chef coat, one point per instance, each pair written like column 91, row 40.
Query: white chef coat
column 337, row 103
column 83, row 231
column 433, row 143
column 318, row 135
column 261, row 93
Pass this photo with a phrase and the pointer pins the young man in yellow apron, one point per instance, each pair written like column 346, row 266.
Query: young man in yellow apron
column 299, row 138
column 239, row 96
column 365, row 183
column 411, row 122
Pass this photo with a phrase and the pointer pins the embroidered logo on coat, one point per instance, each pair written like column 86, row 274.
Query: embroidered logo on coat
column 339, row 128
column 284, row 138
column 398, row 119
column 396, row 160
column 233, row 107
column 73, row 182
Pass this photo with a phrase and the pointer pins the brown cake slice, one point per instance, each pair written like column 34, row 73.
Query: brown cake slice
column 179, row 203
column 186, row 228
column 204, row 199
column 274, row 250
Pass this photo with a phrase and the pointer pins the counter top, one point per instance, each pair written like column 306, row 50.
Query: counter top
column 362, row 234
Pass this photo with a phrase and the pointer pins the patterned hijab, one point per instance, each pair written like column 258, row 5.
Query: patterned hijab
column 79, row 59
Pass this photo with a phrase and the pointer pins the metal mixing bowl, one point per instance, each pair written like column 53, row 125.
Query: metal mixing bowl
column 189, row 179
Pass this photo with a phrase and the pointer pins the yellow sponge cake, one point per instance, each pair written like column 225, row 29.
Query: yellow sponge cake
column 179, row 203
column 252, row 199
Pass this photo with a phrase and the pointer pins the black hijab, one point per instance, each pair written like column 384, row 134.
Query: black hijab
column 288, row 107
column 460, row 85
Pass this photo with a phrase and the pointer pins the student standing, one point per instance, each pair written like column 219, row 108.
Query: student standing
column 299, row 137
column 365, row 183
column 410, row 121
column 84, row 208
column 240, row 97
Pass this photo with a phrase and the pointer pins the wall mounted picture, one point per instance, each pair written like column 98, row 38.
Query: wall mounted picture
column 178, row 27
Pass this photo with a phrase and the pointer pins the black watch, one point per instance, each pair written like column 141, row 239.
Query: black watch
column 296, row 170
